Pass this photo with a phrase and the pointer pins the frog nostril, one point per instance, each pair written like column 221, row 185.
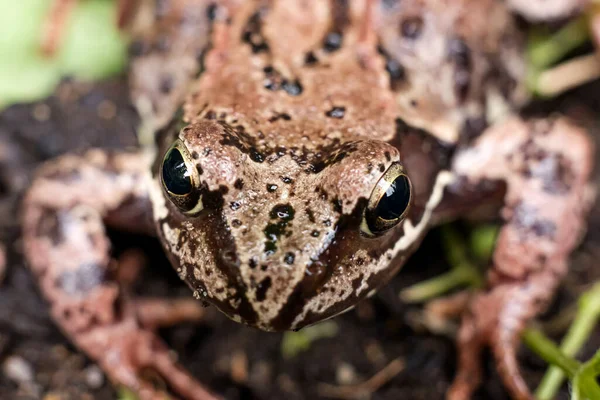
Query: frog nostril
column 262, row 288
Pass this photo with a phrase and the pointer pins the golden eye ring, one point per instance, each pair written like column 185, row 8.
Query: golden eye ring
column 180, row 179
column 389, row 202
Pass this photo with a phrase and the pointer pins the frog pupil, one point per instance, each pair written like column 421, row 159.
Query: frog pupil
column 395, row 199
column 175, row 173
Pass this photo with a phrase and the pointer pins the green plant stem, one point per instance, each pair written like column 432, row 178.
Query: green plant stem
column 463, row 271
column 549, row 352
column 544, row 53
column 584, row 383
column 579, row 332
column 431, row 288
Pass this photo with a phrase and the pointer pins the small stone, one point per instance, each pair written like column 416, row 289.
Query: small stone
column 17, row 369
column 41, row 112
column 107, row 110
column 345, row 374
column 94, row 377
column 53, row 396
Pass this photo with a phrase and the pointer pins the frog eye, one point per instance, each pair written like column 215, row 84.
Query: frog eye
column 389, row 202
column 180, row 179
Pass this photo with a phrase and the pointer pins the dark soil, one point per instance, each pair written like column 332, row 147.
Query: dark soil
column 238, row 362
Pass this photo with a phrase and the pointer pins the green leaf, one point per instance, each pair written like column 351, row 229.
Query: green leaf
column 93, row 46
column 585, row 385
column 579, row 332
column 20, row 26
column 483, row 240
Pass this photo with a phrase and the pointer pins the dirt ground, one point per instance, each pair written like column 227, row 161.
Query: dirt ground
column 36, row 361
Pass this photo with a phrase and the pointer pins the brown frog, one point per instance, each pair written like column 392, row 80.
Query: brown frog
column 299, row 174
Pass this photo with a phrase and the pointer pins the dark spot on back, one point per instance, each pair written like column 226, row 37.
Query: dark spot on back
column 252, row 263
column 286, row 179
column 289, row 258
column 253, row 36
column 239, row 184
column 332, row 42
column 293, row 88
column 311, row 215
column 336, row 112
column 284, row 212
column 278, row 116
column 271, row 187
column 256, row 156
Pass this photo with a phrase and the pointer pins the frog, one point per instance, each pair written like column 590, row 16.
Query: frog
column 290, row 178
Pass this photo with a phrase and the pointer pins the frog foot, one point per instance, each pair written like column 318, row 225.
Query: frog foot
column 548, row 197
column 497, row 318
column 129, row 351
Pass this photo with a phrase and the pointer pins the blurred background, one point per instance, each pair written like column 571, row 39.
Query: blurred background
column 78, row 98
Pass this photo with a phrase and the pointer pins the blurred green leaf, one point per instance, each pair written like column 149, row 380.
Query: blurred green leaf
column 579, row 332
column 92, row 48
column 24, row 74
column 126, row 394
column 482, row 240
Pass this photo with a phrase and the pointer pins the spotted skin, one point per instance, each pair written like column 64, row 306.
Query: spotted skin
column 288, row 115
column 325, row 168
column 452, row 71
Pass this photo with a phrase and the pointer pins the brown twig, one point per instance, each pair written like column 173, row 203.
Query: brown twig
column 568, row 75
column 367, row 387
column 55, row 24
column 2, row 262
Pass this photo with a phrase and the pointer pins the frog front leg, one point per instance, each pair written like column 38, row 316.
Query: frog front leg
column 546, row 166
column 64, row 213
